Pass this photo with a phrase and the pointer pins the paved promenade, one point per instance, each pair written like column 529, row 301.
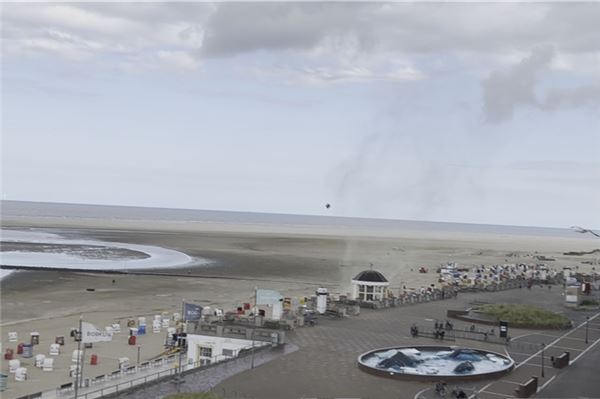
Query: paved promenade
column 325, row 366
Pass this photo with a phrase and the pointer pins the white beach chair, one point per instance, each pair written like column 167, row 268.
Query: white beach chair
column 74, row 371
column 13, row 365
column 13, row 336
column 54, row 349
column 48, row 364
column 39, row 360
column 123, row 363
column 21, row 374
column 77, row 356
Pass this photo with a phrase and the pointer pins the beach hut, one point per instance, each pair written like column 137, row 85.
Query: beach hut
column 166, row 322
column 39, row 360
column 116, row 327
column 48, row 364
column 133, row 332
column 13, row 365
column 54, row 349
column 141, row 321
column 76, row 356
column 21, row 374
column 13, row 336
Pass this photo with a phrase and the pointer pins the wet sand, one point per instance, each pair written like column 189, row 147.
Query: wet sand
column 295, row 260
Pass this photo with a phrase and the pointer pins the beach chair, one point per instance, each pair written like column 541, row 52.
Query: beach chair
column 21, row 374
column 13, row 365
column 48, row 364
column 39, row 360
column 54, row 349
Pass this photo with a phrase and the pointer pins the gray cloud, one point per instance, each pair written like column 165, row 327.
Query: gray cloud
column 345, row 33
column 506, row 90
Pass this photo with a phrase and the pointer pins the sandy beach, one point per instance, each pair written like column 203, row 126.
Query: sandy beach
column 295, row 260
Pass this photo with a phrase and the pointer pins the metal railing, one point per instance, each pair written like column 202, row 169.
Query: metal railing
column 122, row 386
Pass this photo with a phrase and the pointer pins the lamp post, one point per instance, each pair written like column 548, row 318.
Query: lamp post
column 138, row 354
column 587, row 322
column 252, row 358
column 543, row 346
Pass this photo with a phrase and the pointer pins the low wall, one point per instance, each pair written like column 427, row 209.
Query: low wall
column 464, row 316
column 431, row 377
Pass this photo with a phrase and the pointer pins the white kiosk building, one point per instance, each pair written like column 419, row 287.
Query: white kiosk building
column 369, row 285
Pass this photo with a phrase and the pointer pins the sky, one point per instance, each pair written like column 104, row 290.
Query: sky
column 468, row 112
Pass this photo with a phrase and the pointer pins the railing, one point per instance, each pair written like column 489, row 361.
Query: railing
column 437, row 294
column 66, row 390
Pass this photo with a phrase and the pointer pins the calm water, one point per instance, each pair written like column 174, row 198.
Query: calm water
column 105, row 212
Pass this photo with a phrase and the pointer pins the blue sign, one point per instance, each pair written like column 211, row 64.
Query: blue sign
column 191, row 312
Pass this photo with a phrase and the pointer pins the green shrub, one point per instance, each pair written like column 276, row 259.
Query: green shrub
column 524, row 315
column 589, row 302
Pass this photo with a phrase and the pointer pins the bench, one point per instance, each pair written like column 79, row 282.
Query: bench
column 527, row 389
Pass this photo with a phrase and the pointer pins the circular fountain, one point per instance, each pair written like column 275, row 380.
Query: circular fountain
column 435, row 363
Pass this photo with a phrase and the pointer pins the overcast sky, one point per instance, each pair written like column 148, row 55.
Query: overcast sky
column 483, row 113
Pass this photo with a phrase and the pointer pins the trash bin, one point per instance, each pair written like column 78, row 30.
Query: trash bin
column 8, row 354
column 94, row 360
column 20, row 349
column 132, row 340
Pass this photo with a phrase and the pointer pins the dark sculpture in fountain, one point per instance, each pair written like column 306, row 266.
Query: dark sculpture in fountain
column 398, row 360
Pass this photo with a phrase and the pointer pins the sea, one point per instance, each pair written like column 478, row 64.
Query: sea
column 111, row 212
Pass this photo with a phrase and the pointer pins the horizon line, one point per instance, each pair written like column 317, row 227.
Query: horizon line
column 283, row 214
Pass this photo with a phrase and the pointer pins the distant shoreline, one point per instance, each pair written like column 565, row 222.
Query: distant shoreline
column 17, row 211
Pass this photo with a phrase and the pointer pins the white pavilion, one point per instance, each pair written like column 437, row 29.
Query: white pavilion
column 369, row 285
